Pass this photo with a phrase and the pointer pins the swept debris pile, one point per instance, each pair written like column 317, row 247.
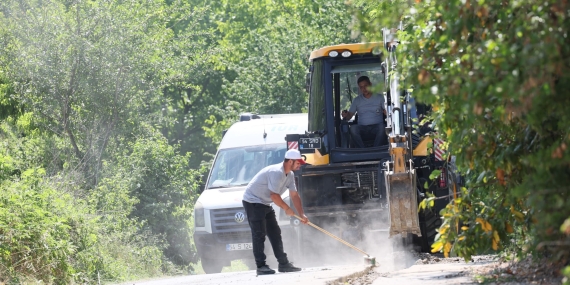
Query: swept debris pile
column 525, row 271
column 499, row 271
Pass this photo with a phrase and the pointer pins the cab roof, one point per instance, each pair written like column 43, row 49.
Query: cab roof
column 358, row 48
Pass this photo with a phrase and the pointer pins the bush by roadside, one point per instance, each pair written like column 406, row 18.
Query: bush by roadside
column 496, row 75
column 54, row 230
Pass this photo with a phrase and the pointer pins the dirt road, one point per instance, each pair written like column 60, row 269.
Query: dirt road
column 403, row 268
column 309, row 276
column 434, row 269
column 426, row 270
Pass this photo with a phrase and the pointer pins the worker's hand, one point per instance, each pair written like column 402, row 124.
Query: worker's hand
column 344, row 114
column 289, row 212
column 304, row 219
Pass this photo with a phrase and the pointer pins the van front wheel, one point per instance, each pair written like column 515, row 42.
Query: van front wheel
column 211, row 266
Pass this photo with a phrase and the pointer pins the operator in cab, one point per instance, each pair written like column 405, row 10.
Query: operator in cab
column 370, row 110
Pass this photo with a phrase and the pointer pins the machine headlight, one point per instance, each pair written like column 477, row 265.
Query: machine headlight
column 199, row 220
column 333, row 53
column 346, row 53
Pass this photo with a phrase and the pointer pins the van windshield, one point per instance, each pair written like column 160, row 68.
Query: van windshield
column 237, row 166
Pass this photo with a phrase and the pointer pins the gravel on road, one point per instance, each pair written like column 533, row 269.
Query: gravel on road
column 435, row 269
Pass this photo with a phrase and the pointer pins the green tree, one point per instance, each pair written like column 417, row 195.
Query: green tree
column 194, row 85
column 92, row 70
column 266, row 47
column 50, row 233
column 82, row 82
column 496, row 74
column 166, row 189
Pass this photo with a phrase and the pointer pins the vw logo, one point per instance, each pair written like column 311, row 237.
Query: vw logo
column 239, row 217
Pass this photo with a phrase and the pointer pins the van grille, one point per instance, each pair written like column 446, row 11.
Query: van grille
column 224, row 220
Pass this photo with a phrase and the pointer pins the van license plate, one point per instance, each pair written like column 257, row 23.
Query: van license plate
column 239, row 246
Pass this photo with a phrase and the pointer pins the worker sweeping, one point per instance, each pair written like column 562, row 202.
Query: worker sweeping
column 265, row 188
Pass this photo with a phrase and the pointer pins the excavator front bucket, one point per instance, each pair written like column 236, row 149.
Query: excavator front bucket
column 402, row 200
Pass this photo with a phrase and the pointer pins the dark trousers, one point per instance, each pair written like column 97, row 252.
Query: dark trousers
column 376, row 131
column 262, row 222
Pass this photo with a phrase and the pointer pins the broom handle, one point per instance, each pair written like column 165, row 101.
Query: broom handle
column 333, row 236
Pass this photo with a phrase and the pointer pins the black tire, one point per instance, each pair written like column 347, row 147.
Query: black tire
column 212, row 266
column 429, row 223
column 430, row 220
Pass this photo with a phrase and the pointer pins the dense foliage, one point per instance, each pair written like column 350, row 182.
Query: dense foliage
column 110, row 112
column 91, row 191
column 497, row 74
column 265, row 53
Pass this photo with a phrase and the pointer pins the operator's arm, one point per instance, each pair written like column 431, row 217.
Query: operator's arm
column 347, row 115
column 276, row 198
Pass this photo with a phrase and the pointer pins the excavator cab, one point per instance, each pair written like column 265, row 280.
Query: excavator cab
column 333, row 87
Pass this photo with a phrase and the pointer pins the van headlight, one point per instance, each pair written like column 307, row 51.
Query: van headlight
column 199, row 220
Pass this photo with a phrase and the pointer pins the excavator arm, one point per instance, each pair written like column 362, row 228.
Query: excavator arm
column 399, row 172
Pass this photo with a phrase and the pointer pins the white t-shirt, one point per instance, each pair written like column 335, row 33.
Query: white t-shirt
column 370, row 110
column 271, row 179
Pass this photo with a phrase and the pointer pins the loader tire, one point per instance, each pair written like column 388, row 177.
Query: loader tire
column 430, row 221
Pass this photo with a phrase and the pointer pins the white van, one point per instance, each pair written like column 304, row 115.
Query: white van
column 221, row 230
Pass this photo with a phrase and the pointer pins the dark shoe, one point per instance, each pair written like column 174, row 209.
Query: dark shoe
column 288, row 267
column 263, row 270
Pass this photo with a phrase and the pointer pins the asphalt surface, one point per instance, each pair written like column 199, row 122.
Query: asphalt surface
column 308, row 276
column 424, row 274
column 447, row 272
column 427, row 269
column 397, row 268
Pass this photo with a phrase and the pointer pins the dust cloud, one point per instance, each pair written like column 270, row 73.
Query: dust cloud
column 318, row 249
